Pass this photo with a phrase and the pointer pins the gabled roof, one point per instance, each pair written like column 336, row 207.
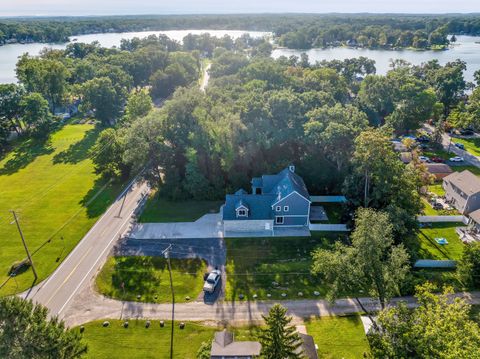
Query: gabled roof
column 224, row 345
column 259, row 206
column 284, row 183
column 466, row 181
column 241, row 204
column 308, row 347
column 438, row 168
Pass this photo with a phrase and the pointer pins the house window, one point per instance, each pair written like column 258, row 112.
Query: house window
column 278, row 220
column 278, row 209
column 241, row 213
column 285, row 208
column 258, row 191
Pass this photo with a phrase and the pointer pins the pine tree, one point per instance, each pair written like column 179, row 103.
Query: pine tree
column 279, row 340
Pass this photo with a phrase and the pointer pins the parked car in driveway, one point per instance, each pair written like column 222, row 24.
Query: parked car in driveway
column 424, row 158
column 456, row 159
column 459, row 145
column 212, row 281
column 466, row 132
column 437, row 159
column 437, row 206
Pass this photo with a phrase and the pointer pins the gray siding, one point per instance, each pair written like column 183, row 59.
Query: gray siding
column 294, row 221
column 297, row 205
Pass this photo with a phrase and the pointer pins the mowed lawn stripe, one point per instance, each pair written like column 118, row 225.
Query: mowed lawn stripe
column 50, row 185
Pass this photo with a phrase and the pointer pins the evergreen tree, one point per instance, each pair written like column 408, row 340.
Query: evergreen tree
column 25, row 332
column 279, row 340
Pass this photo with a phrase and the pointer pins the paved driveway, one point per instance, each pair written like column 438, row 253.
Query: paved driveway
column 208, row 226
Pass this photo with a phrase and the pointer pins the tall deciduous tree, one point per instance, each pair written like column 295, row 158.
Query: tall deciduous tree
column 25, row 332
column 35, row 113
column 371, row 265
column 439, row 328
column 100, row 96
column 279, row 339
column 469, row 265
column 139, row 104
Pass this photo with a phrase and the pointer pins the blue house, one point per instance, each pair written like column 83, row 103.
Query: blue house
column 275, row 201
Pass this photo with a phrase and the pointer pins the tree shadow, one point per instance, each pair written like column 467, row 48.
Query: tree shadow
column 78, row 151
column 25, row 153
column 100, row 197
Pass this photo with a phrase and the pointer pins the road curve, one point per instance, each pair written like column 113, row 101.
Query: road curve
column 81, row 265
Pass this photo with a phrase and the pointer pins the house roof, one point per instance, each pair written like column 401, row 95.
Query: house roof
column 475, row 216
column 466, row 181
column 259, row 206
column 274, row 188
column 435, row 168
column 224, row 345
column 308, row 347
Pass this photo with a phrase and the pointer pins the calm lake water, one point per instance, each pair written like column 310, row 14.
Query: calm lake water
column 465, row 49
column 9, row 53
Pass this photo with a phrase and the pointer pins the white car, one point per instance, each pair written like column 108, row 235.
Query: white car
column 424, row 158
column 212, row 280
column 456, row 159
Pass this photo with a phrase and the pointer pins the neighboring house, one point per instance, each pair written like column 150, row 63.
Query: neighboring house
column 462, row 190
column 225, row 347
column 280, row 200
column 308, row 348
column 474, row 220
column 439, row 170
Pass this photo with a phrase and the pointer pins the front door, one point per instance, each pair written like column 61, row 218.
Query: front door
column 279, row 220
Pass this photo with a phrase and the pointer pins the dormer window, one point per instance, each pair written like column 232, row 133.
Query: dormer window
column 241, row 213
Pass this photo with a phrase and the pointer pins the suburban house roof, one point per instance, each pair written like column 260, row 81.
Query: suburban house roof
column 224, row 346
column 466, row 181
column 435, row 168
column 475, row 216
column 308, row 347
column 274, row 188
column 258, row 206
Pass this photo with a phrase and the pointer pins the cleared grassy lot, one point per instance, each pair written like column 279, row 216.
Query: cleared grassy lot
column 274, row 265
column 57, row 197
column 136, row 341
column 430, row 249
column 160, row 210
column 149, row 278
column 472, row 145
column 338, row 337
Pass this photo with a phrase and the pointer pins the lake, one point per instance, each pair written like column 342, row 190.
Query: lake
column 9, row 53
column 465, row 49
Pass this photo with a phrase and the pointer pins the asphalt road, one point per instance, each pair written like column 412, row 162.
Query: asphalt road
column 82, row 264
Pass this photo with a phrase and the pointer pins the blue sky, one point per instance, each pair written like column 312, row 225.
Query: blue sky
column 116, row 7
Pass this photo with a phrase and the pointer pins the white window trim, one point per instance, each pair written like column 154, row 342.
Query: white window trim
column 242, row 210
column 286, row 208
column 277, row 220
column 278, row 208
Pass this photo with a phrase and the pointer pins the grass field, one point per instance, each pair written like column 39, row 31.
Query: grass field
column 160, row 210
column 437, row 189
column 149, row 278
column 338, row 337
column 254, row 264
column 57, row 198
column 136, row 341
column 472, row 145
column 429, row 249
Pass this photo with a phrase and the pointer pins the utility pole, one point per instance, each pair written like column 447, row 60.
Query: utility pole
column 166, row 252
column 25, row 245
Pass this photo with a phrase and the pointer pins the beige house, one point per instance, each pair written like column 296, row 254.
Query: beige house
column 462, row 190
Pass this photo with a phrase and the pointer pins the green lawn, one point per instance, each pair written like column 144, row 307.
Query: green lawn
column 149, row 278
column 428, row 210
column 253, row 264
column 57, row 197
column 160, row 210
column 472, row 145
column 136, row 341
column 429, row 249
column 437, row 189
column 338, row 337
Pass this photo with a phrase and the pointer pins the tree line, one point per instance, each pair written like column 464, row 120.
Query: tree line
column 300, row 31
